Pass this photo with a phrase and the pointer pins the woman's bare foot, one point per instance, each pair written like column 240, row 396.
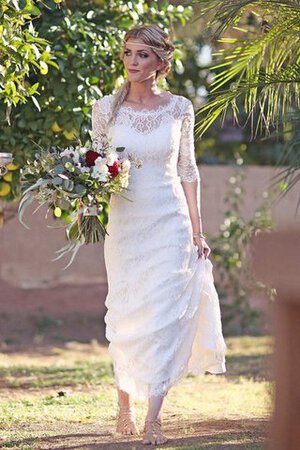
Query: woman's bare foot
column 153, row 433
column 126, row 421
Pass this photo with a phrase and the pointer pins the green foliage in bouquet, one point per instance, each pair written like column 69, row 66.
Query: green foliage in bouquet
column 79, row 180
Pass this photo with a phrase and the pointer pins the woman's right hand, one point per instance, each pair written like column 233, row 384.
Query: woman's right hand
column 203, row 248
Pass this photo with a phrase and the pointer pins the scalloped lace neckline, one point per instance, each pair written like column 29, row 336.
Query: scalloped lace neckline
column 153, row 110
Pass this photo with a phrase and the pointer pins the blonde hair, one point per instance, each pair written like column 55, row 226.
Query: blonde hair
column 161, row 45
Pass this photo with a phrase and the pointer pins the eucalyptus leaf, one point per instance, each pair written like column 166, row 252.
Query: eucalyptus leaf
column 69, row 166
column 64, row 204
column 66, row 159
column 58, row 169
column 57, row 181
column 80, row 189
column 73, row 231
column 68, row 185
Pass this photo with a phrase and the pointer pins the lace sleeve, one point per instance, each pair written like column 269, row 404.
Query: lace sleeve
column 100, row 116
column 186, row 166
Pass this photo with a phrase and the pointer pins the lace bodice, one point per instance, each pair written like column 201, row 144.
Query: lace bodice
column 179, row 143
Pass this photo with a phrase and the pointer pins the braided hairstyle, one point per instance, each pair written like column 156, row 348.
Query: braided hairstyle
column 151, row 35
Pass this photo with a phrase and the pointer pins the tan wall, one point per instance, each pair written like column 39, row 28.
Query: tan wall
column 25, row 258
column 257, row 179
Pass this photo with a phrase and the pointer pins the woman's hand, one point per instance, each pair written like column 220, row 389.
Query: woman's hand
column 203, row 248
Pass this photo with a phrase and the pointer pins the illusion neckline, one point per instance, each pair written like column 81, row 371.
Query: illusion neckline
column 152, row 110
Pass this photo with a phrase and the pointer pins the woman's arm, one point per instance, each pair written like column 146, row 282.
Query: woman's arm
column 190, row 177
column 191, row 189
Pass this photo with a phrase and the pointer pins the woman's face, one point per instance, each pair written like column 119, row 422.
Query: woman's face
column 141, row 59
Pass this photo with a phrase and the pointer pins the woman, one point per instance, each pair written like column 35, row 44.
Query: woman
column 163, row 316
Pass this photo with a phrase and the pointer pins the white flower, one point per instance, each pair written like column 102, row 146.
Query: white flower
column 76, row 156
column 125, row 182
column 100, row 161
column 82, row 150
column 100, row 171
column 111, row 158
column 100, row 177
column 66, row 152
column 84, row 169
column 101, row 167
column 126, row 164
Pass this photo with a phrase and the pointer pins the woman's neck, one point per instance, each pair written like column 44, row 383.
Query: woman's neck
column 143, row 93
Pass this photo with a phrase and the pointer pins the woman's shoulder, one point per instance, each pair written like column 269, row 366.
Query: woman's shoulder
column 186, row 101
column 103, row 103
column 185, row 104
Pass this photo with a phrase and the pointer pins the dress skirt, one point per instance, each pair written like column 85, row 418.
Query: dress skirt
column 163, row 317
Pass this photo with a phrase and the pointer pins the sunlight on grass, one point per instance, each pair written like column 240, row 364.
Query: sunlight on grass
column 77, row 364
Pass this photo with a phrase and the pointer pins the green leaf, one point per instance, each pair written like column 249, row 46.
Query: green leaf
column 36, row 102
column 80, row 189
column 57, row 212
column 66, row 159
column 30, row 8
column 58, row 169
column 73, row 231
column 43, row 67
column 69, row 166
column 68, row 185
column 57, row 181
column 33, row 88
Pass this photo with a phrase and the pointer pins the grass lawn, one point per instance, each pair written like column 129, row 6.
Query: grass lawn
column 65, row 398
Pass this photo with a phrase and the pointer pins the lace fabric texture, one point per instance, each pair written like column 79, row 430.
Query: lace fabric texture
column 163, row 317
column 145, row 122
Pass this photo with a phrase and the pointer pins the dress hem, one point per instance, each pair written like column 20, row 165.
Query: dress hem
column 141, row 391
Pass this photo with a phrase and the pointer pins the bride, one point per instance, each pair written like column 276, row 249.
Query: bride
column 163, row 316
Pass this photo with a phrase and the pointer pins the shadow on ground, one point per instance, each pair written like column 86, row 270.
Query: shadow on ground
column 235, row 434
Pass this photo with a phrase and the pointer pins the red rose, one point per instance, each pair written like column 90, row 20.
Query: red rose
column 114, row 169
column 90, row 158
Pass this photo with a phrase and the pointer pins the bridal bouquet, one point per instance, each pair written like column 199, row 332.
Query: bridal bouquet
column 78, row 179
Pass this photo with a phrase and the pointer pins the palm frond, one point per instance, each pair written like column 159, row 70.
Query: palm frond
column 261, row 65
column 228, row 13
column 273, row 98
column 265, row 68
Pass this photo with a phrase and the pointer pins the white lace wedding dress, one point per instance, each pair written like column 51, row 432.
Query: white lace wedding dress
column 163, row 316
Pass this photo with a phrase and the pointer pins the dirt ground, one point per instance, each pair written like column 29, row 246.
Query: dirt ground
column 211, row 435
column 182, row 433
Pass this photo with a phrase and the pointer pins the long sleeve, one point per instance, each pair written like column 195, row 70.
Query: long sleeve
column 186, row 167
column 100, row 116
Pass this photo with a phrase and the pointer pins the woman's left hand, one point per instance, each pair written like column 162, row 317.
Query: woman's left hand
column 203, row 248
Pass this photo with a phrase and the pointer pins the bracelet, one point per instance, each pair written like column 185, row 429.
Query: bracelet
column 199, row 234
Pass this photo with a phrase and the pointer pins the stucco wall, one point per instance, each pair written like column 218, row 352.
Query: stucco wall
column 25, row 258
